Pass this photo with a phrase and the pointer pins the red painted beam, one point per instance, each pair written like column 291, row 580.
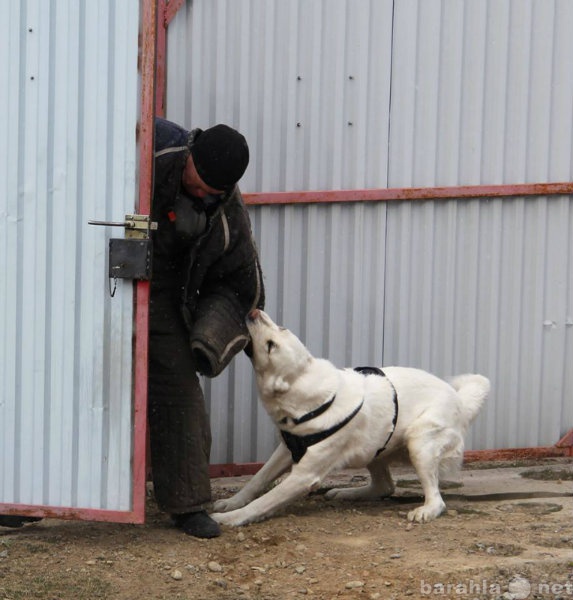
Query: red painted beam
column 71, row 513
column 140, row 350
column 515, row 454
column 166, row 11
column 428, row 193
column 161, row 59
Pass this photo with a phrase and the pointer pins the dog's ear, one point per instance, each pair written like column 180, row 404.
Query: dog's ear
column 278, row 385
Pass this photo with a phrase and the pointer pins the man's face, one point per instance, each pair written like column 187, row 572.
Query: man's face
column 193, row 184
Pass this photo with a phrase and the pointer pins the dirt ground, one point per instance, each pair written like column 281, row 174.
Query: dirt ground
column 507, row 533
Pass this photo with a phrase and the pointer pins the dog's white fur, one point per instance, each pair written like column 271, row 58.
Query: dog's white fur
column 432, row 420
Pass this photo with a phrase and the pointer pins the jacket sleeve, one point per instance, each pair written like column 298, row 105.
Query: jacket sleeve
column 218, row 335
column 233, row 286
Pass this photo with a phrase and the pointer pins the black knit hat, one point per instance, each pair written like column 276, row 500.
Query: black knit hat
column 221, row 156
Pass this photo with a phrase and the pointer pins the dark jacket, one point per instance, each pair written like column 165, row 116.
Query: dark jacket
column 204, row 253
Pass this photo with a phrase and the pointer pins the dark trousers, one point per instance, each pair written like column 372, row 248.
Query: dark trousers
column 180, row 432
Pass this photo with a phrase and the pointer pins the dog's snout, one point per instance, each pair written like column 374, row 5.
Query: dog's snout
column 254, row 314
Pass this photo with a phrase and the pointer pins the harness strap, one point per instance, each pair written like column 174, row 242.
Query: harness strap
column 380, row 372
column 312, row 414
column 298, row 444
column 370, row 371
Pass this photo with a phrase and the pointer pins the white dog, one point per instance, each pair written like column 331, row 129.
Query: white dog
column 333, row 418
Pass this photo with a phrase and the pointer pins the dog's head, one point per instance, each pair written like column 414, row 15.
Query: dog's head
column 278, row 356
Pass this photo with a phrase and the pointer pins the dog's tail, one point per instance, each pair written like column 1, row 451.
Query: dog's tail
column 473, row 389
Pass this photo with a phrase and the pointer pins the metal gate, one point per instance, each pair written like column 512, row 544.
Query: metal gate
column 69, row 406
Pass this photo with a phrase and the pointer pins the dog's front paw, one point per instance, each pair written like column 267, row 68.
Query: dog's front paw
column 426, row 513
column 228, row 504
column 233, row 518
column 224, row 505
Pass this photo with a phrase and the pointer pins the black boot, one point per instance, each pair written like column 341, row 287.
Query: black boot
column 198, row 524
column 16, row 521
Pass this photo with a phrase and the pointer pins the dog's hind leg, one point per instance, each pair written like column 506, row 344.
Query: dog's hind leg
column 426, row 460
column 381, row 485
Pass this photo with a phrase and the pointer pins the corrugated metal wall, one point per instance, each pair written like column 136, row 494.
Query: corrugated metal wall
column 307, row 82
column 68, row 97
column 488, row 285
column 481, row 92
column 349, row 94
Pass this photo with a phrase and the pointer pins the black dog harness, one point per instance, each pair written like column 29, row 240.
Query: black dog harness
column 299, row 444
column 380, row 372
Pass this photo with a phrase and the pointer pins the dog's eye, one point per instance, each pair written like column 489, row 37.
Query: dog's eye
column 270, row 346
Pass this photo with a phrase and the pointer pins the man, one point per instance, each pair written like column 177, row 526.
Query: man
column 206, row 278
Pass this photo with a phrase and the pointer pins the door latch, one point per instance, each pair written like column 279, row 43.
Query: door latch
column 130, row 257
column 136, row 226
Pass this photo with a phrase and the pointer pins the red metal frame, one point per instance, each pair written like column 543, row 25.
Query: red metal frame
column 149, row 42
column 161, row 58
column 429, row 193
column 166, row 11
column 564, row 447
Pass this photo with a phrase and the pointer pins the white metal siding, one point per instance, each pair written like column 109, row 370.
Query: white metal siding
column 487, row 285
column 68, row 96
column 308, row 84
column 443, row 92
column 481, row 92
